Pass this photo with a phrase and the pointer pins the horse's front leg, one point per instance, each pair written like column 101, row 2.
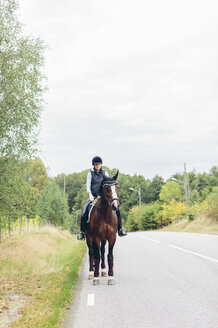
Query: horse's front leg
column 103, row 266
column 96, row 249
column 91, row 257
column 110, row 258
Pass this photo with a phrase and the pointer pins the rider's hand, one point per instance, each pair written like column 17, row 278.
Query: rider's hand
column 91, row 197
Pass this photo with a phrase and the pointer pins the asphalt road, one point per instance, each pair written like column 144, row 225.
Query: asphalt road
column 163, row 279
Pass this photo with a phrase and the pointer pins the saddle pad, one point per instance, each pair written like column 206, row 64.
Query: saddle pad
column 90, row 207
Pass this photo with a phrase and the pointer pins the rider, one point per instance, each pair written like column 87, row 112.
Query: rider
column 94, row 179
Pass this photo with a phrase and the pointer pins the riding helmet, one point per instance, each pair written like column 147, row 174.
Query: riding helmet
column 96, row 159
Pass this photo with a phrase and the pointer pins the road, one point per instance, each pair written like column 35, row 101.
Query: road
column 163, row 280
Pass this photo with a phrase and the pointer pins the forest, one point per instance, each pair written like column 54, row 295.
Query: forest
column 35, row 195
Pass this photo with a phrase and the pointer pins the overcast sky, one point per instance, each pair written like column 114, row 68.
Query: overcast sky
column 134, row 82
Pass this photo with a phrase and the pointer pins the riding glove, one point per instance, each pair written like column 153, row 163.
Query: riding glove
column 91, row 197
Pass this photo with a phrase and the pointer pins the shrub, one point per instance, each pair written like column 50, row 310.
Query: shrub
column 133, row 220
column 146, row 220
column 149, row 217
column 212, row 201
column 172, row 212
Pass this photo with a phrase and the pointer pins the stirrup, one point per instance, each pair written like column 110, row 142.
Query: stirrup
column 81, row 236
column 122, row 233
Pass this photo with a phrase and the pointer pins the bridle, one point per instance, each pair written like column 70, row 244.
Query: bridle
column 109, row 201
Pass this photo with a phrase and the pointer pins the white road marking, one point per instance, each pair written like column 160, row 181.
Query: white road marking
column 194, row 253
column 91, row 300
column 154, row 240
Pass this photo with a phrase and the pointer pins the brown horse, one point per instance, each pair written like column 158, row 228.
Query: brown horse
column 102, row 228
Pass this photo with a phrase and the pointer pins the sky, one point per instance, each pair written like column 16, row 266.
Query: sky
column 134, row 82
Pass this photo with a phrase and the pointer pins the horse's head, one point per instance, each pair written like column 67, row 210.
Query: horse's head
column 109, row 189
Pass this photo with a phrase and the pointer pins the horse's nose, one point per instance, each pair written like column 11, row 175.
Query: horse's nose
column 115, row 205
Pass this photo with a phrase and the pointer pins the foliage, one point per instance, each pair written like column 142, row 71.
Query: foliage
column 75, row 188
column 154, row 188
column 172, row 211
column 133, row 221
column 14, row 189
column 52, row 206
column 212, row 201
column 144, row 220
column 21, row 186
column 198, row 208
column 149, row 216
column 71, row 222
column 21, row 84
column 170, row 191
column 77, row 195
column 37, row 177
column 21, row 103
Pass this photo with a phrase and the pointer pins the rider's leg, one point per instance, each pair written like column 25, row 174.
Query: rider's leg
column 121, row 232
column 83, row 221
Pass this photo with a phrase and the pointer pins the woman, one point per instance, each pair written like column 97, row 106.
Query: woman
column 94, row 179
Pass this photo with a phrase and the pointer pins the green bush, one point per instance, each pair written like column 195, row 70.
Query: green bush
column 133, row 220
column 149, row 217
column 212, row 201
column 146, row 220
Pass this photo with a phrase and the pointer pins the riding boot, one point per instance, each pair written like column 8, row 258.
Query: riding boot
column 84, row 218
column 82, row 228
column 121, row 232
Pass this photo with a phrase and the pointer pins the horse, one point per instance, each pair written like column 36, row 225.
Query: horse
column 102, row 228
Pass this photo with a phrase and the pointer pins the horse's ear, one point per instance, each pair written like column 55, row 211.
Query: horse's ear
column 115, row 176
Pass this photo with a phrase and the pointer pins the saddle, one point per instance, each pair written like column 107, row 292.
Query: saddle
column 90, row 208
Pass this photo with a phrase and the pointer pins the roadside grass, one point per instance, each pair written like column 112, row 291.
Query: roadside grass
column 38, row 273
column 201, row 224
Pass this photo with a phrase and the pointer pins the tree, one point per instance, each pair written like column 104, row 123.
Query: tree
column 37, row 175
column 154, row 188
column 52, row 206
column 169, row 191
column 21, row 90
column 21, row 84
column 202, row 182
column 37, row 178
column 11, row 185
column 21, row 102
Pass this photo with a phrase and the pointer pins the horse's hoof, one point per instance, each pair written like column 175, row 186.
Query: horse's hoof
column 111, row 281
column 96, row 281
column 91, row 275
column 104, row 273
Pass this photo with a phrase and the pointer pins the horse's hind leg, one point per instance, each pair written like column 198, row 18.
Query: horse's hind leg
column 103, row 266
column 96, row 249
column 110, row 258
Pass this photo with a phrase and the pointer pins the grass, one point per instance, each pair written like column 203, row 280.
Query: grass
column 41, row 270
column 202, row 224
